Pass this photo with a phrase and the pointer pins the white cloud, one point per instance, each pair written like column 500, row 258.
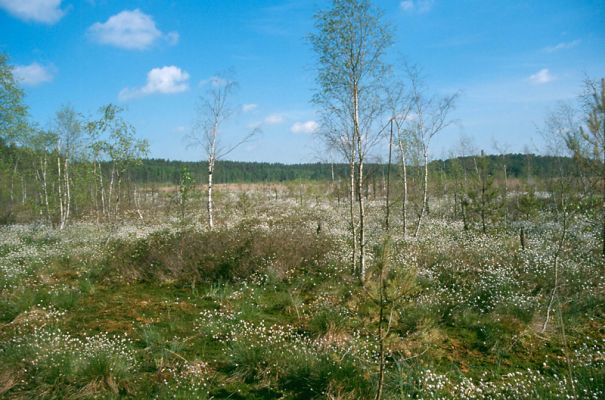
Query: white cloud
column 562, row 46
column 33, row 74
column 304, row 127
column 131, row 30
column 274, row 119
column 165, row 80
column 407, row 5
column 541, row 77
column 44, row 11
column 419, row 6
column 249, row 107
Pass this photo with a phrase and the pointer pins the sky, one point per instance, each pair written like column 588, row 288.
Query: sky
column 511, row 61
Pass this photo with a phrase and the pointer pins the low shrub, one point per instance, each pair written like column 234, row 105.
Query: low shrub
column 190, row 257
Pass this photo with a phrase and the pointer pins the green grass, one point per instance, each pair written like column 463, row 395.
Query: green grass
column 274, row 313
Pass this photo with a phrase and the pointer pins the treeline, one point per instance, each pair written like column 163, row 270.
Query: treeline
column 161, row 171
column 169, row 171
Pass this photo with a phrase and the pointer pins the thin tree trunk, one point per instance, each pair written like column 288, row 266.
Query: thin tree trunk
column 67, row 191
column 210, row 205
column 136, row 203
column 404, row 204
column 60, row 188
column 12, row 190
column 556, row 256
column 360, row 158
column 360, row 200
column 388, row 185
column 118, row 191
column 483, row 198
column 102, row 188
column 110, row 192
column 505, row 201
column 43, row 181
column 352, row 211
column 23, row 190
column 424, row 190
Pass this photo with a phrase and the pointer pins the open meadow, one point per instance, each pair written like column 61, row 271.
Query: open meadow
column 265, row 306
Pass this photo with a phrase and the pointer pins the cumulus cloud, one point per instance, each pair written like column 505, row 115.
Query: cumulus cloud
column 274, row 119
column 541, row 77
column 165, row 80
column 249, row 107
column 419, row 6
column 33, row 74
column 43, row 11
column 130, row 30
column 304, row 127
column 562, row 46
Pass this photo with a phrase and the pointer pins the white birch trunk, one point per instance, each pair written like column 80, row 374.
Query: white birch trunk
column 60, row 188
column 424, row 189
column 404, row 204
column 210, row 205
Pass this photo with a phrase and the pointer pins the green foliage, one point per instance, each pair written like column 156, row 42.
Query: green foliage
column 12, row 109
column 483, row 203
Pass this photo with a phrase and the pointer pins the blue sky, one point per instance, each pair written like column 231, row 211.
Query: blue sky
column 511, row 60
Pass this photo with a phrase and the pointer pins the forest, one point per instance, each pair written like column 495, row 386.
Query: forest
column 380, row 273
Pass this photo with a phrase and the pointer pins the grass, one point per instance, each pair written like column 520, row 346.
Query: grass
column 266, row 308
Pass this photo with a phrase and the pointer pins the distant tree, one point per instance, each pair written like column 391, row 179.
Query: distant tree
column 428, row 116
column 399, row 107
column 69, row 140
column 43, row 143
column 483, row 198
column 13, row 111
column 587, row 141
column 185, row 187
column 561, row 136
column 214, row 110
column 350, row 42
column 114, row 140
column 594, row 135
column 13, row 123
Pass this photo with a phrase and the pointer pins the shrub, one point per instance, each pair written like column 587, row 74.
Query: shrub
column 223, row 255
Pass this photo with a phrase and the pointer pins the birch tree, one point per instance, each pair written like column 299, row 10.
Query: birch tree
column 13, row 113
column 350, row 42
column 113, row 140
column 42, row 143
column 214, row 110
column 69, row 129
column 400, row 105
column 428, row 117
